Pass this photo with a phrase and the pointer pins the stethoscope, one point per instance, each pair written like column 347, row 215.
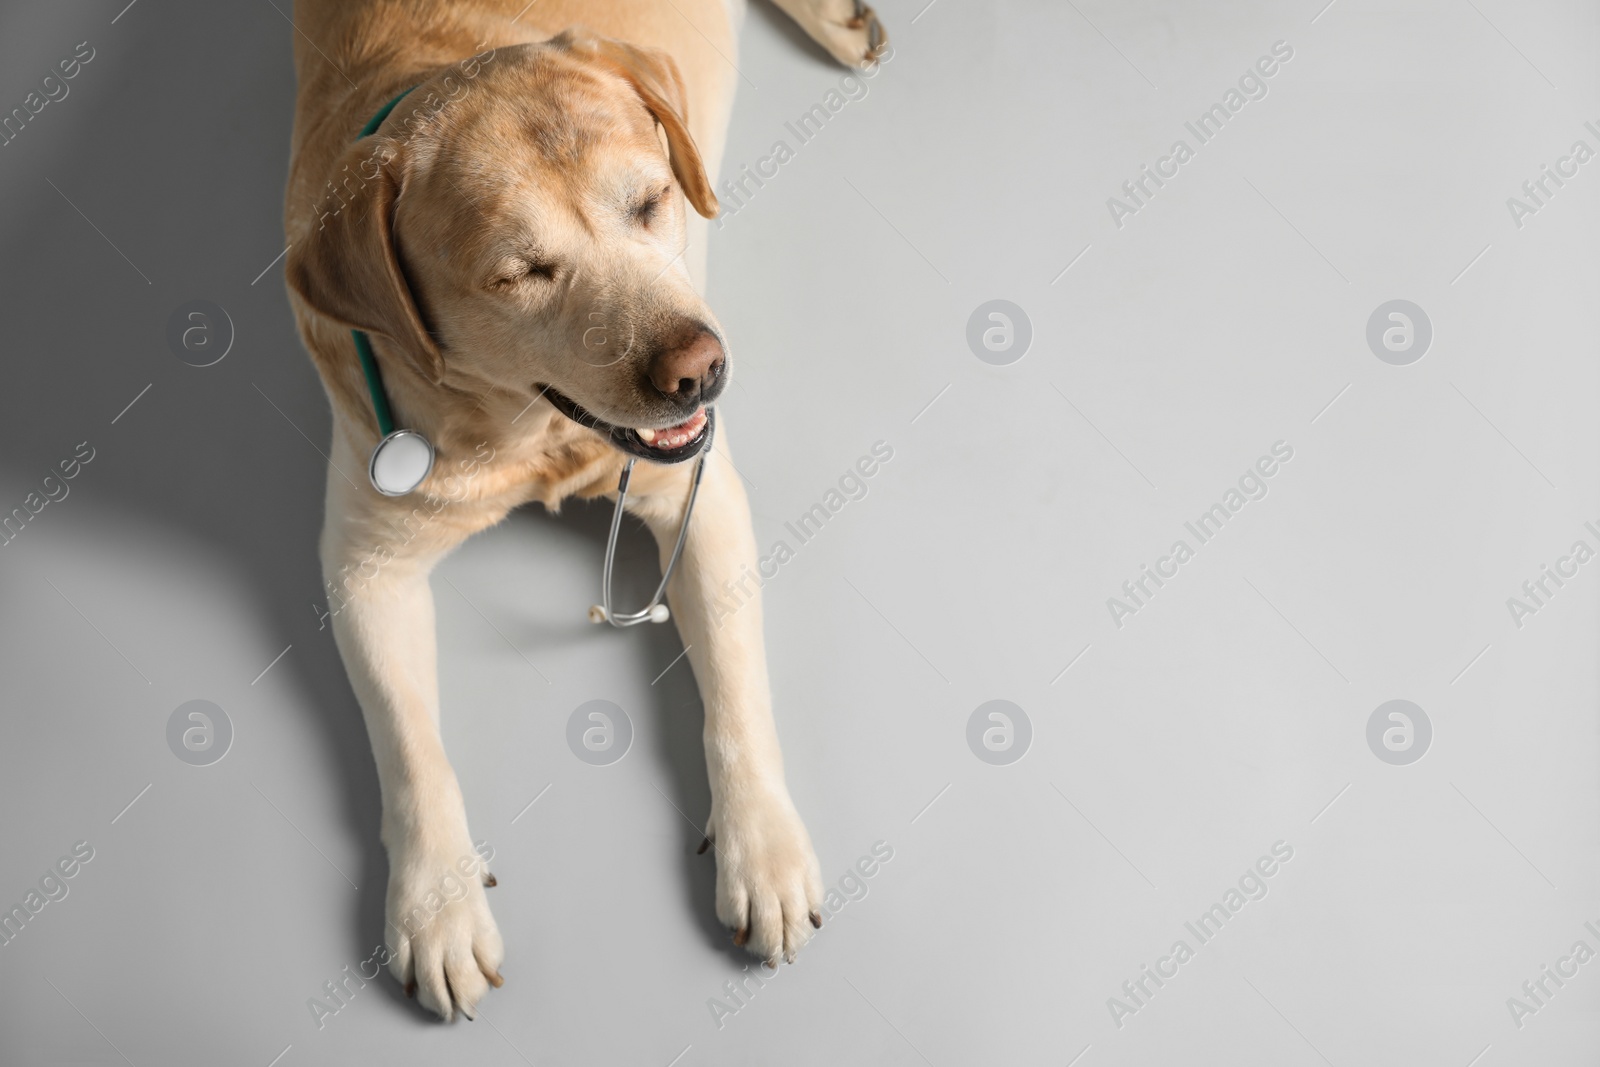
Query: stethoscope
column 402, row 460
column 655, row 611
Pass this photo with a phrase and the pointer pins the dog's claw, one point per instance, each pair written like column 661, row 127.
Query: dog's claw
column 701, row 851
column 495, row 979
column 877, row 39
column 741, row 935
column 491, row 881
column 816, row 920
column 411, row 989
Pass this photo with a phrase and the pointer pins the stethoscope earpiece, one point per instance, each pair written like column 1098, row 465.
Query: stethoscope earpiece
column 655, row 613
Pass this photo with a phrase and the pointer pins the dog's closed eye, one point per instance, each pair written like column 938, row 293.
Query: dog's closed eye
column 644, row 212
column 516, row 270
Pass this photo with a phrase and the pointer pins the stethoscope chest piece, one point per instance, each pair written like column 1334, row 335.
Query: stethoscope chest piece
column 400, row 463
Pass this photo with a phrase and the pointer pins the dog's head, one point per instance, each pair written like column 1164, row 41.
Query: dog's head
column 521, row 228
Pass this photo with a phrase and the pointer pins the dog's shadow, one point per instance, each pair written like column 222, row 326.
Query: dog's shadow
column 157, row 179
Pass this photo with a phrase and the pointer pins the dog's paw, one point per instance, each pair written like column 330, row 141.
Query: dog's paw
column 444, row 945
column 848, row 29
column 769, row 886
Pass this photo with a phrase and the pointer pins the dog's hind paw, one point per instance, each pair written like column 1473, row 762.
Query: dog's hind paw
column 444, row 946
column 848, row 29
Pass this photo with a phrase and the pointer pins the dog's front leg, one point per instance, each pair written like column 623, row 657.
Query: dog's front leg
column 376, row 555
column 769, row 886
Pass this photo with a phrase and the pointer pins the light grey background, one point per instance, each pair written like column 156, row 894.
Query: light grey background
column 1230, row 713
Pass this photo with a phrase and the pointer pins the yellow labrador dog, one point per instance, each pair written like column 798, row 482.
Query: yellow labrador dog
column 521, row 240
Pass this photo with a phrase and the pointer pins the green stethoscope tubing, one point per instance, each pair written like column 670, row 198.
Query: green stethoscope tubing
column 369, row 364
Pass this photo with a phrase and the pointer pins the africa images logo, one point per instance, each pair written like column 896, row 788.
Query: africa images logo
column 1252, row 85
column 1251, row 886
column 1252, row 485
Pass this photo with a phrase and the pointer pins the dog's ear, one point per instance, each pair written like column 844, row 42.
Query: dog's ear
column 348, row 268
column 654, row 76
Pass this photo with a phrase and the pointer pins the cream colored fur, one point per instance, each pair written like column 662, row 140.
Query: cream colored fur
column 407, row 235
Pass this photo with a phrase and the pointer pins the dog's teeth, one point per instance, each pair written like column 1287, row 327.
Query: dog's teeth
column 646, row 436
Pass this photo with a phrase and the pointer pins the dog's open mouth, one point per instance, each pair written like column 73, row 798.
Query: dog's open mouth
column 669, row 444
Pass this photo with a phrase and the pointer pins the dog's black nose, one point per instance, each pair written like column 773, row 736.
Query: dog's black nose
column 687, row 370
